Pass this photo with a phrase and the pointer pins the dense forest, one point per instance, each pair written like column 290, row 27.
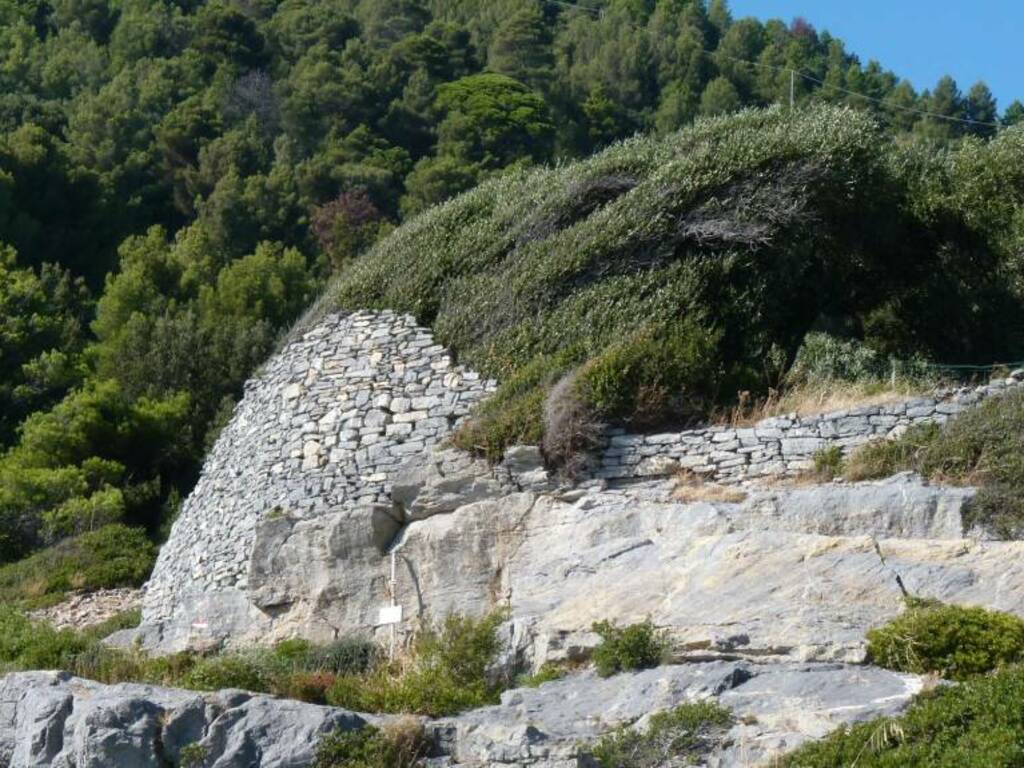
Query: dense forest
column 179, row 179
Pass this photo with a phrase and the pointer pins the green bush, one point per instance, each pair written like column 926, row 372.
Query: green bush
column 682, row 734
column 400, row 744
column 637, row 646
column 193, row 756
column 449, row 671
column 953, row 641
column 828, row 462
column 976, row 724
column 673, row 272
column 25, row 644
column 113, row 556
column 882, row 458
column 248, row 672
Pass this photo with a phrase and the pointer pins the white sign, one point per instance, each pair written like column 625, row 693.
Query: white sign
column 389, row 614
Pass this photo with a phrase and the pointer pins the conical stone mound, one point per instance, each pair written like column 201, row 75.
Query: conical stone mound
column 319, row 430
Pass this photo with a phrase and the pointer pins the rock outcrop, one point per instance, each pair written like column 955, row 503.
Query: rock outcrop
column 53, row 719
column 311, row 482
column 776, row 707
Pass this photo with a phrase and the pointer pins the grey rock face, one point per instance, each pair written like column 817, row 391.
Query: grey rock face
column 53, row 719
column 776, row 707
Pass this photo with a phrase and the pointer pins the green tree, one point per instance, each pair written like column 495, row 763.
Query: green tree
column 521, row 49
column 1014, row 113
column 493, row 120
column 719, row 98
column 981, row 107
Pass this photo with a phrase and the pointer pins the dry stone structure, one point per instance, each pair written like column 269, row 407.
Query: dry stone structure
column 320, row 429
column 782, row 445
column 332, row 459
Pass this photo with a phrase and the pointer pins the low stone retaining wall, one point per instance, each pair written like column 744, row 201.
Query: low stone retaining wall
column 781, row 445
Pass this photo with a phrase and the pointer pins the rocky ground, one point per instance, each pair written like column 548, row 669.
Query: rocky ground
column 766, row 599
column 84, row 610
column 52, row 719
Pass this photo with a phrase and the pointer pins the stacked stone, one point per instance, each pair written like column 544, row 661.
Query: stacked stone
column 782, row 445
column 323, row 426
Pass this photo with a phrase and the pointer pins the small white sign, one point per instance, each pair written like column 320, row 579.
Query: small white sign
column 389, row 614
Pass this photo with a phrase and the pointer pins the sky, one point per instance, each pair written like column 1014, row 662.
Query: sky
column 920, row 40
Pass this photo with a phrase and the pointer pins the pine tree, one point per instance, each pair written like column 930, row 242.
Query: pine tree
column 521, row 49
column 1014, row 113
column 981, row 107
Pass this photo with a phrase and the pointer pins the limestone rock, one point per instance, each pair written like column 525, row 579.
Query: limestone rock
column 776, row 706
column 441, row 483
column 53, row 719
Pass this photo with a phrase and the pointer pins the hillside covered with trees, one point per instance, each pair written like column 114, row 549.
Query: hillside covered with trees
column 180, row 179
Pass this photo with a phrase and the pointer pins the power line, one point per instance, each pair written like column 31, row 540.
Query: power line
column 797, row 73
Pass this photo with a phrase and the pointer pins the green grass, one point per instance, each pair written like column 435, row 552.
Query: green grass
column 983, row 446
column 673, row 272
column 975, row 724
column 113, row 556
column 956, row 642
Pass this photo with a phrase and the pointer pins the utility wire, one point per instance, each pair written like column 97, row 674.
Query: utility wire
column 797, row 73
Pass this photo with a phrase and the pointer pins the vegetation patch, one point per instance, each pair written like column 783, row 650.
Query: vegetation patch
column 399, row 743
column 633, row 647
column 112, row 556
column 447, row 671
column 953, row 641
column 679, row 736
column 978, row 723
column 708, row 275
column 983, row 446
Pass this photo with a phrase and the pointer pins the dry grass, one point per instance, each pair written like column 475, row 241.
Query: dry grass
column 691, row 487
column 811, row 400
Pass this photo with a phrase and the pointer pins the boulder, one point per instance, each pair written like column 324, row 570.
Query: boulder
column 54, row 719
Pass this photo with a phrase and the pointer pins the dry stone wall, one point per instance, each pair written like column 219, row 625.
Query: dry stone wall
column 320, row 429
column 782, row 445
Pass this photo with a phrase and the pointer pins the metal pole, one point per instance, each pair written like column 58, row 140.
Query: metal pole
column 391, row 651
column 792, row 89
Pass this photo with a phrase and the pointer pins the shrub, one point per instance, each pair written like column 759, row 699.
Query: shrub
column 684, row 733
column 572, row 430
column 954, row 641
column 348, row 655
column 448, row 672
column 399, row 744
column 193, row 756
column 828, row 463
column 976, row 724
column 653, row 377
column 675, row 271
column 637, row 646
column 25, row 644
column 883, row 458
column 113, row 556
column 248, row 672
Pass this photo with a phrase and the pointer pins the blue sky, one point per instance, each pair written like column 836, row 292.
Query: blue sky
column 920, row 40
